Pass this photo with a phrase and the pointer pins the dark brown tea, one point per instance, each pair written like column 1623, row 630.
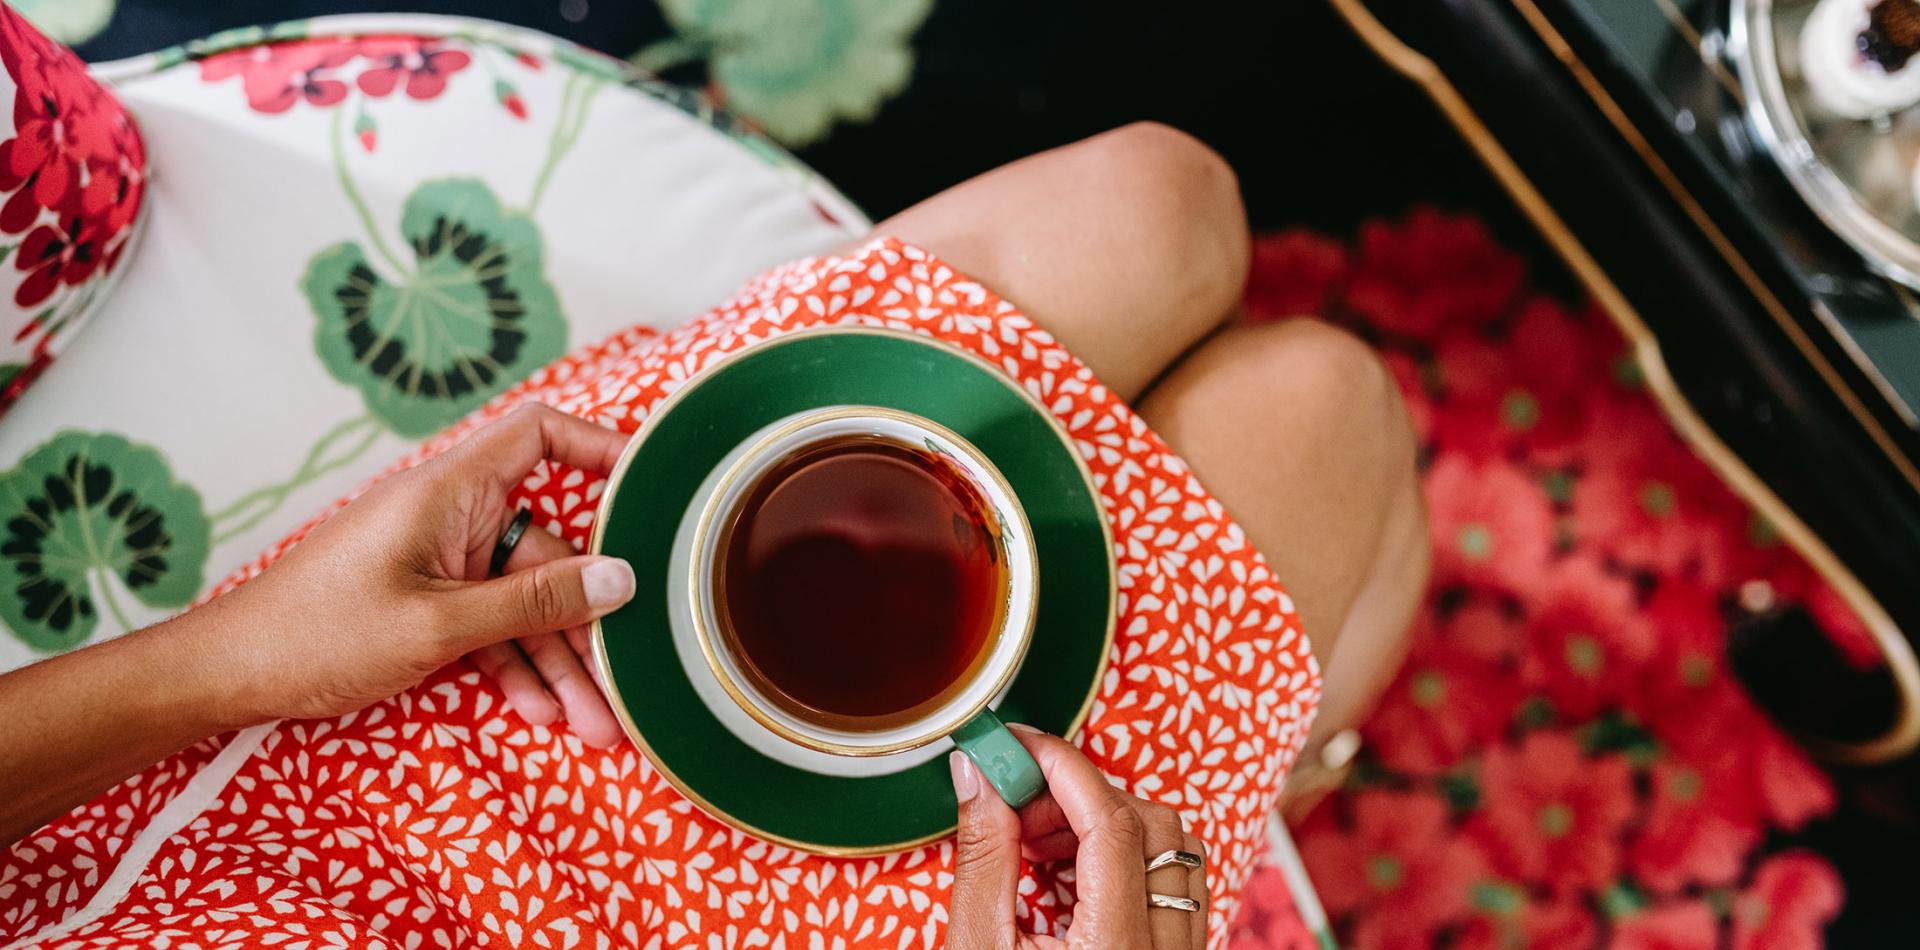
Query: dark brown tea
column 861, row 582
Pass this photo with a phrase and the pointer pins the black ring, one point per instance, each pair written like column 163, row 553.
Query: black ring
column 509, row 541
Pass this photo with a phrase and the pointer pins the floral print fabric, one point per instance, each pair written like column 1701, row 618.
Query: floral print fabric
column 420, row 204
column 437, row 818
column 73, row 172
column 1565, row 761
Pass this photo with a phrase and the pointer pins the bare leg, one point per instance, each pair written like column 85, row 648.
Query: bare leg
column 1132, row 248
column 1300, row 432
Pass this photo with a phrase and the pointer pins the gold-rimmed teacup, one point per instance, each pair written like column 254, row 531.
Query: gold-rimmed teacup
column 963, row 711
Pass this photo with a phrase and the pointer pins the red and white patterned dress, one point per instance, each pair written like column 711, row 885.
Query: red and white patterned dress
column 438, row 818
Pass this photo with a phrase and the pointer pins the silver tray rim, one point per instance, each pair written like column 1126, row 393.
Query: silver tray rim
column 1887, row 250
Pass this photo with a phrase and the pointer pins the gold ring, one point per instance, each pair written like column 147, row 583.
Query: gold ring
column 1170, row 902
column 1174, row 856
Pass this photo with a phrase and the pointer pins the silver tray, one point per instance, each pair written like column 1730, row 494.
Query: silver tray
column 1856, row 174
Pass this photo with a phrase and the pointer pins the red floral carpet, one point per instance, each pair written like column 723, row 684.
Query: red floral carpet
column 1566, row 760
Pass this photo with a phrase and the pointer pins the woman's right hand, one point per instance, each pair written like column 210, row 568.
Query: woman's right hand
column 396, row 585
column 1109, row 835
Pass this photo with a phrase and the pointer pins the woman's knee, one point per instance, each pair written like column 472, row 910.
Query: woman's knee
column 1299, row 429
column 1185, row 220
column 1315, row 381
column 1341, row 380
column 1130, row 246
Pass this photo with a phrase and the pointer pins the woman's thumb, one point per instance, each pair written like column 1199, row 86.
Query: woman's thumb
column 551, row 596
column 986, row 863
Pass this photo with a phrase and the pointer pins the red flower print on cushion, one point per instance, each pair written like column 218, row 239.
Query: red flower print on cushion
column 1293, row 274
column 1431, row 272
column 63, row 124
column 1587, row 638
column 116, row 187
column 1514, row 921
column 63, row 251
column 21, row 380
column 276, row 76
column 1686, row 925
column 1401, row 865
column 423, row 63
column 1552, row 815
column 56, row 134
column 1792, row 896
column 1491, row 523
column 1444, row 703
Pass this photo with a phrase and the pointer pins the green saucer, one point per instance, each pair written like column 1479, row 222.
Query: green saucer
column 664, row 466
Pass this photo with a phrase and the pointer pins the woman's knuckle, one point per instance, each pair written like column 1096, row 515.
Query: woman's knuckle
column 1120, row 815
column 1163, row 822
column 539, row 597
column 975, row 848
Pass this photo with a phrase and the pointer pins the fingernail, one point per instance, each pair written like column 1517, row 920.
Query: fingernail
column 608, row 583
column 966, row 782
column 1023, row 727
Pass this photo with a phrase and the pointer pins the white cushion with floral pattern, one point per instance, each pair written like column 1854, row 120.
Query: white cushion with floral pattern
column 358, row 230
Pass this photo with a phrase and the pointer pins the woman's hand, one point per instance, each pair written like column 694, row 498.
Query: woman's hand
column 395, row 586
column 1109, row 835
column 384, row 593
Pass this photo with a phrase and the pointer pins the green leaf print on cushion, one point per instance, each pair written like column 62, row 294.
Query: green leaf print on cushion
column 85, row 512
column 67, row 21
column 795, row 66
column 475, row 316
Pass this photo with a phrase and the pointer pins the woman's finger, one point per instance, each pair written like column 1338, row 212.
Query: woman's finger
column 507, row 449
column 1164, row 831
column 581, row 640
column 565, row 662
column 1042, row 817
column 986, row 863
column 587, row 712
column 520, row 685
column 1109, row 867
column 537, row 545
column 1052, row 846
column 1197, row 889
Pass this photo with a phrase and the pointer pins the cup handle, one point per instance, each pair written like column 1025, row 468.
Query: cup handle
column 1001, row 758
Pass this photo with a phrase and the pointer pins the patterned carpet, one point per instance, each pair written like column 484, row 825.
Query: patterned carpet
column 1566, row 760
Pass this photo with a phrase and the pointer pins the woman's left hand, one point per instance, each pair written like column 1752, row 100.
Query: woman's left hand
column 1113, row 839
column 395, row 586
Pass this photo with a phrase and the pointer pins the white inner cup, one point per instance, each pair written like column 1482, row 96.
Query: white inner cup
column 741, row 472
